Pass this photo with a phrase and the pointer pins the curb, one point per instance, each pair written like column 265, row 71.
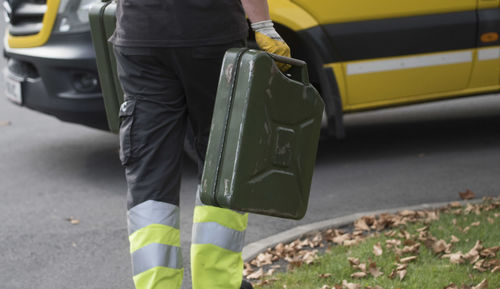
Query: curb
column 251, row 250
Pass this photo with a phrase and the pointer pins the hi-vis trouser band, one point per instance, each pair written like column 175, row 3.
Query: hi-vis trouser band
column 217, row 242
column 218, row 238
column 155, row 245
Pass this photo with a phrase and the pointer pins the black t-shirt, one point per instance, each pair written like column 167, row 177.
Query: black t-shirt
column 178, row 23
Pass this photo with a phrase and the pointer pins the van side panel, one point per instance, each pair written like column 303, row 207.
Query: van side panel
column 290, row 15
column 338, row 11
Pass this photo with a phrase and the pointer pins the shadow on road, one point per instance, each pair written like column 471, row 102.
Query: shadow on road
column 92, row 160
column 389, row 134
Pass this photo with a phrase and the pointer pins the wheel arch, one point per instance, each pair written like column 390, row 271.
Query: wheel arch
column 309, row 46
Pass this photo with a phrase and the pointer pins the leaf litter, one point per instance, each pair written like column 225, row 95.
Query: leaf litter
column 305, row 250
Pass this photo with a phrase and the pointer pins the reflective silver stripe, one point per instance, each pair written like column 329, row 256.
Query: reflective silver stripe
column 400, row 63
column 488, row 54
column 218, row 235
column 154, row 255
column 152, row 212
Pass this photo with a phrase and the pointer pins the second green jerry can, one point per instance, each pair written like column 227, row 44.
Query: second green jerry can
column 264, row 136
column 102, row 25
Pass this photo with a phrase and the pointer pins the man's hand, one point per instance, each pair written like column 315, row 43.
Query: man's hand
column 270, row 41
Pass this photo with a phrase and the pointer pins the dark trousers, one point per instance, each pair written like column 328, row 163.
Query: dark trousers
column 163, row 88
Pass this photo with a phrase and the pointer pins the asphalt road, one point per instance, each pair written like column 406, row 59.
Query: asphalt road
column 51, row 171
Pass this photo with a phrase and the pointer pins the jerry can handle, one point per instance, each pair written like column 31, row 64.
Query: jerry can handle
column 294, row 62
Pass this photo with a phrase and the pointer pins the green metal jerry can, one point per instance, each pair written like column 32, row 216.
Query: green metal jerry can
column 102, row 25
column 264, row 136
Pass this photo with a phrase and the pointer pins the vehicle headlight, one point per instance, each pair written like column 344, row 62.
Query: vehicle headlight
column 73, row 16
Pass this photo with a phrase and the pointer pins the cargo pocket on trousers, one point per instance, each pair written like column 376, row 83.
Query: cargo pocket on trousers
column 126, row 115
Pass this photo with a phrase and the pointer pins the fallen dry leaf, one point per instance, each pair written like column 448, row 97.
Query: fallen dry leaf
column 393, row 274
column 475, row 224
column 294, row 264
column 455, row 205
column 440, row 246
column 402, row 274
column 310, row 256
column 262, row 259
column 496, row 269
column 489, row 252
column 270, row 272
column 325, row 275
column 392, row 243
column 360, row 224
column 248, row 269
column 325, row 287
column 341, row 238
column 257, row 274
column 353, row 261
column 490, row 220
column 347, row 285
column 353, row 242
column 401, row 267
column 408, row 259
column 406, row 213
column 454, row 239
column 73, row 221
column 377, row 249
column 451, row 286
column 474, row 252
column 423, row 229
column 411, row 249
column 358, row 275
column 361, row 267
column 406, row 235
column 482, row 285
column 374, row 271
column 467, row 195
column 455, row 258
column 479, row 266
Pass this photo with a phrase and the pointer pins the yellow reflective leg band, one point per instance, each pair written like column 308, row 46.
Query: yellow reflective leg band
column 154, row 233
column 159, row 278
column 215, row 268
column 218, row 236
column 227, row 218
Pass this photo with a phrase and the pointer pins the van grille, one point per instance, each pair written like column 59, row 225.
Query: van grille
column 26, row 16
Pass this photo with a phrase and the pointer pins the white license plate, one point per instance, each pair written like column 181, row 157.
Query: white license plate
column 13, row 89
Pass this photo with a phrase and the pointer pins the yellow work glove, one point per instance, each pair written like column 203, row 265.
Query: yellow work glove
column 270, row 41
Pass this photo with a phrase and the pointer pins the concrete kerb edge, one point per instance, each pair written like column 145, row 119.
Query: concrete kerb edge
column 251, row 250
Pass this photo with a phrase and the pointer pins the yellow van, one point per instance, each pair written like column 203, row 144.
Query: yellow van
column 362, row 55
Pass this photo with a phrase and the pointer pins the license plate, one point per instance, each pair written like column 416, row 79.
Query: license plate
column 13, row 89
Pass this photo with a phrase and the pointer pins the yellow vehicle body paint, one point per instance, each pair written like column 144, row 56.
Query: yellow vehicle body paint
column 336, row 11
column 290, row 15
column 486, row 4
column 43, row 35
column 486, row 70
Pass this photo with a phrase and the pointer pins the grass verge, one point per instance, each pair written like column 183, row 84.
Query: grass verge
column 453, row 247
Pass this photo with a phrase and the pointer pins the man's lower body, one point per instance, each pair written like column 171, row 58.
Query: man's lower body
column 164, row 87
